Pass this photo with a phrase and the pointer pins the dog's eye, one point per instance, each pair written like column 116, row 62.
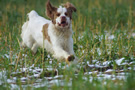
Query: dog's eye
column 66, row 14
column 58, row 14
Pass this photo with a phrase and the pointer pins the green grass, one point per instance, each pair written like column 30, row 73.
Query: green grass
column 93, row 23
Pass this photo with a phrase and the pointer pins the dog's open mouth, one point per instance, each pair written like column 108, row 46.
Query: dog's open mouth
column 63, row 23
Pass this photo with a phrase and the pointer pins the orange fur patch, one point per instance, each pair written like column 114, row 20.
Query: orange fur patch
column 51, row 11
column 45, row 32
column 70, row 8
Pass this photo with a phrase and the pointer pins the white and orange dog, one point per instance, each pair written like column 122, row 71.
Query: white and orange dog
column 54, row 35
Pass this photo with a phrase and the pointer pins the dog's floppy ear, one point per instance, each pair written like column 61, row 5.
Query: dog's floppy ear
column 50, row 10
column 70, row 7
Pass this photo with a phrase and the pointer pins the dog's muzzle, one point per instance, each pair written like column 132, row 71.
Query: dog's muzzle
column 63, row 21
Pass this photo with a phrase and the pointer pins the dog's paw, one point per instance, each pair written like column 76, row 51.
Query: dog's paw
column 70, row 58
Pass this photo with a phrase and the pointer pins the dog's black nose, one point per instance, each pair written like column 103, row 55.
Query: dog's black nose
column 63, row 18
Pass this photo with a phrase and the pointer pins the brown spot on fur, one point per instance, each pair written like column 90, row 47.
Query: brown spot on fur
column 51, row 11
column 45, row 32
column 70, row 9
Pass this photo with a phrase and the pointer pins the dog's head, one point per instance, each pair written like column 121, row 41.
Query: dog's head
column 61, row 17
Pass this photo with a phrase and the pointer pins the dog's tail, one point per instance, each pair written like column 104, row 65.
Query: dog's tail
column 32, row 14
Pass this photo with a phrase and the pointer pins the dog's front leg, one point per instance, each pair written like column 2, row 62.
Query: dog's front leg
column 60, row 53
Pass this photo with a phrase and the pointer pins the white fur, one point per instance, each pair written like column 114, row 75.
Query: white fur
column 61, row 45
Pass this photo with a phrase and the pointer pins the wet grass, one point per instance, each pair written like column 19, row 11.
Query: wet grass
column 104, row 30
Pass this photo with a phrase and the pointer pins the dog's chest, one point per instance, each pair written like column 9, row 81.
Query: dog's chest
column 61, row 40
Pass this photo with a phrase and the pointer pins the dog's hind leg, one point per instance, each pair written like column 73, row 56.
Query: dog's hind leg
column 22, row 44
column 34, row 48
column 27, row 39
